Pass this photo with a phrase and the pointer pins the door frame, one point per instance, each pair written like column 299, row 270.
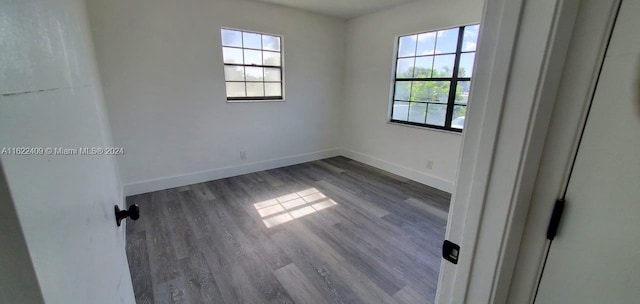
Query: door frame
column 521, row 57
column 592, row 32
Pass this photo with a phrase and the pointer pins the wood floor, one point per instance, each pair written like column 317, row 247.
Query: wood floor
column 329, row 231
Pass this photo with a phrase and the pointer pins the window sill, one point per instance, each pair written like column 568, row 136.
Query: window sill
column 256, row 101
column 424, row 128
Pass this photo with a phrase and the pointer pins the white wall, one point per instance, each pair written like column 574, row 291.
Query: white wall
column 368, row 69
column 161, row 66
column 18, row 283
column 50, row 96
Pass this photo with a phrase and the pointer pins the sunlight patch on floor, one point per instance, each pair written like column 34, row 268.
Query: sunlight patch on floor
column 292, row 206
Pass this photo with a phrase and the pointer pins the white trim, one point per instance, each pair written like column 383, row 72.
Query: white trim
column 586, row 53
column 496, row 45
column 421, row 177
column 208, row 175
column 521, row 54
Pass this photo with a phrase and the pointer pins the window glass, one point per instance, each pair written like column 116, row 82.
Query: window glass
column 252, row 65
column 432, row 78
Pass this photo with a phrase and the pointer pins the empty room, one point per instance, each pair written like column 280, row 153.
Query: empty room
column 319, row 151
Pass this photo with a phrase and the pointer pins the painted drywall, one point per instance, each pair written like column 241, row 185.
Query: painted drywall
column 161, row 66
column 18, row 283
column 50, row 97
column 368, row 70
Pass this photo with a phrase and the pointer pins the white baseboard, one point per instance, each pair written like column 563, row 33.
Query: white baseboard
column 209, row 175
column 429, row 180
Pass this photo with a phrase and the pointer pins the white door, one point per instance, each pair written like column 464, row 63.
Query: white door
column 595, row 258
column 50, row 98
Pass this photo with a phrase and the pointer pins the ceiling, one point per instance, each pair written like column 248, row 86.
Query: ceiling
column 339, row 8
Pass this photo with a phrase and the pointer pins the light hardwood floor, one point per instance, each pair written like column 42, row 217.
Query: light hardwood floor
column 329, row 231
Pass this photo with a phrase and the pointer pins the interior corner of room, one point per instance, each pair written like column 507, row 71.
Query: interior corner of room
column 164, row 91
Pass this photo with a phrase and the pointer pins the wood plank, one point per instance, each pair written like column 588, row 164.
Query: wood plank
column 298, row 286
column 139, row 260
column 202, row 192
column 407, row 295
column 352, row 200
column 357, row 281
column 172, row 292
column 201, row 286
column 428, row 208
column 208, row 243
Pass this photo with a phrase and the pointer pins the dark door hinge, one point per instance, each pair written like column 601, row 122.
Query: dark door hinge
column 450, row 251
column 552, row 230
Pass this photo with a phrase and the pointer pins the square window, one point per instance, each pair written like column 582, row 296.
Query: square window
column 432, row 78
column 252, row 65
column 271, row 58
column 272, row 89
column 430, row 91
column 403, row 90
column 447, row 41
column 417, row 112
column 470, row 38
column 424, row 67
column 271, row 43
column 407, row 46
column 401, row 110
column 236, row 89
column 405, row 67
column 234, row 73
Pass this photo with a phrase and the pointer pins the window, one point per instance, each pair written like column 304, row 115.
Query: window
column 252, row 65
column 433, row 76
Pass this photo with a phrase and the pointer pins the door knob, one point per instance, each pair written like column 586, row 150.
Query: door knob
column 133, row 212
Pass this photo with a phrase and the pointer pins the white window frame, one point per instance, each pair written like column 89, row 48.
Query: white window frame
column 244, row 99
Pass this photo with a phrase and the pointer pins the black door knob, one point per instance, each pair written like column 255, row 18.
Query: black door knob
column 133, row 212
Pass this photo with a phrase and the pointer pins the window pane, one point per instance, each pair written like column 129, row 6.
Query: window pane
column 231, row 38
column 271, row 58
column 407, row 46
column 443, row 65
column 462, row 92
column 252, row 41
column 423, row 67
column 470, row 38
column 447, row 41
column 436, row 114
column 272, row 89
column 255, row 89
column 466, row 65
column 432, row 91
column 403, row 89
column 272, row 74
column 231, row 55
column 459, row 114
column 252, row 57
column 400, row 110
column 254, row 74
column 417, row 112
column 234, row 73
column 405, row 68
column 271, row 43
column 426, row 44
column 235, row 89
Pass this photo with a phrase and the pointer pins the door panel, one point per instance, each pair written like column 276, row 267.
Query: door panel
column 594, row 258
column 64, row 203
